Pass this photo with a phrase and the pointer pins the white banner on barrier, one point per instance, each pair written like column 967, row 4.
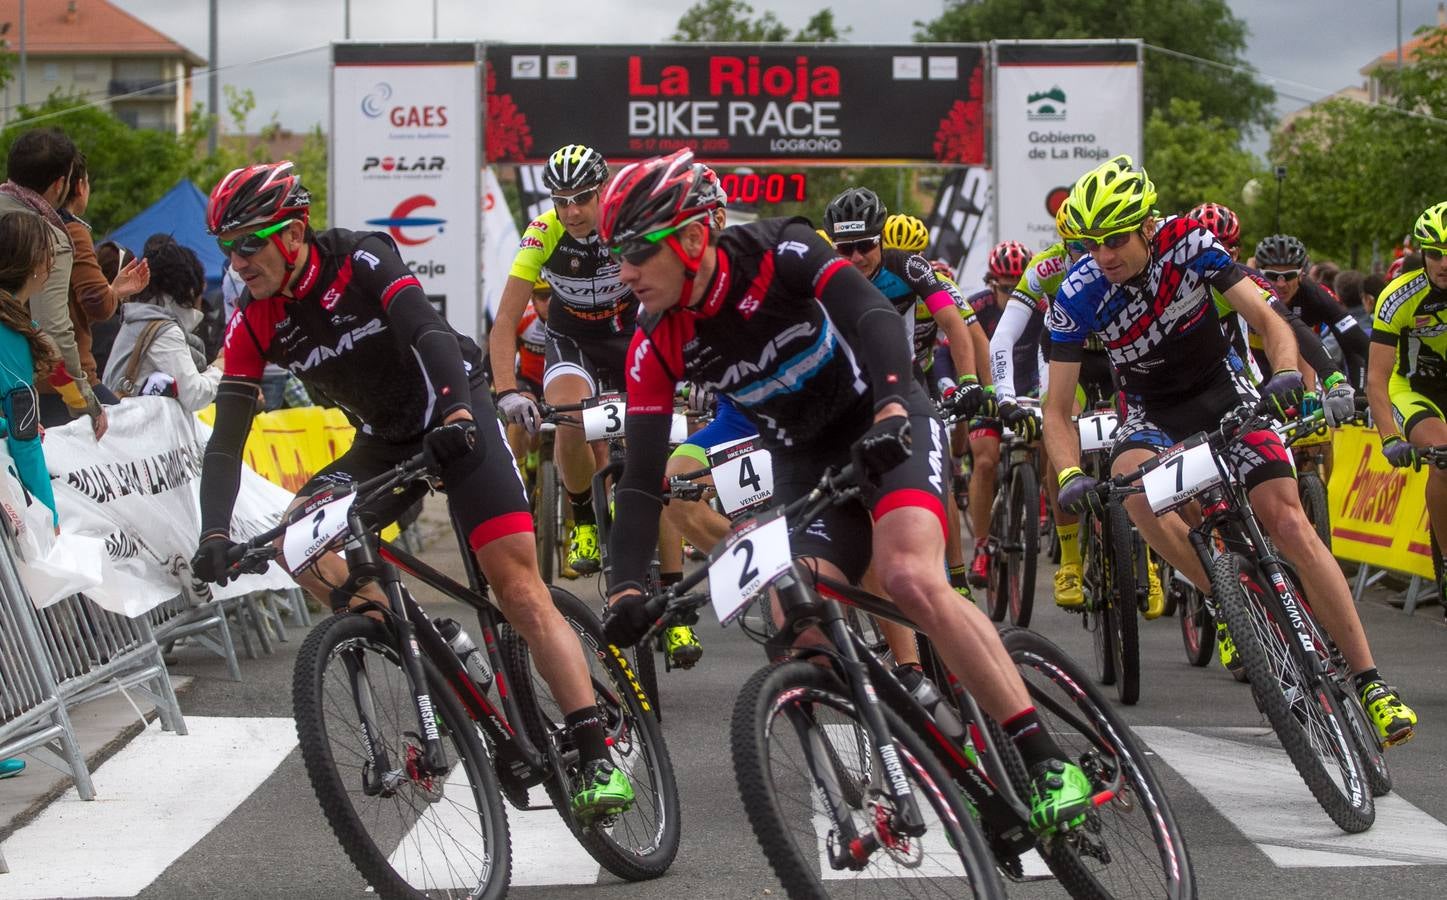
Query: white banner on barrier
column 499, row 241
column 1054, row 121
column 129, row 511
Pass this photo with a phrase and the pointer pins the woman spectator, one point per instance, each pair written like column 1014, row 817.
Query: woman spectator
column 110, row 256
column 93, row 297
column 157, row 330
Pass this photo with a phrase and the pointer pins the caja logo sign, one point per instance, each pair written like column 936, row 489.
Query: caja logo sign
column 404, row 216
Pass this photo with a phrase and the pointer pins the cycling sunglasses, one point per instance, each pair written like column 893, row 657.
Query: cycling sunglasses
column 641, row 250
column 1110, row 241
column 582, row 198
column 1284, row 274
column 251, row 244
column 1432, row 253
column 849, row 248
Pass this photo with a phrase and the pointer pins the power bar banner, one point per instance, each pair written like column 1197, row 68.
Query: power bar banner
column 129, row 511
column 405, row 160
column 1061, row 108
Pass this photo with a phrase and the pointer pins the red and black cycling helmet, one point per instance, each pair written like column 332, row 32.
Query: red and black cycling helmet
column 257, row 195
column 1220, row 221
column 1007, row 261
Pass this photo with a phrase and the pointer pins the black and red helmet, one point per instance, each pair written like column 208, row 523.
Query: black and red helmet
column 1007, row 261
column 1220, row 221
column 257, row 195
column 656, row 194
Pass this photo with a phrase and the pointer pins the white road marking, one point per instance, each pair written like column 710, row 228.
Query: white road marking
column 156, row 799
column 1261, row 794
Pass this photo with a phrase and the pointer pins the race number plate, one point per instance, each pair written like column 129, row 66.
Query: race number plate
column 678, row 431
column 1097, row 431
column 747, row 562
column 743, row 474
column 605, row 418
column 1180, row 473
column 308, row 537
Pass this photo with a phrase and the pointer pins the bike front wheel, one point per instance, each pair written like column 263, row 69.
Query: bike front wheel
column 409, row 832
column 1121, row 614
column 795, row 728
column 1024, row 539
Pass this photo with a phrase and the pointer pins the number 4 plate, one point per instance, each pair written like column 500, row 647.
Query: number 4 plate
column 743, row 474
column 1181, row 472
column 308, row 537
column 746, row 562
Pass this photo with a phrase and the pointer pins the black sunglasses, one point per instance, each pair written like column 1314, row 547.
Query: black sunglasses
column 1432, row 253
column 1286, row 274
column 582, row 198
column 1110, row 242
column 251, row 244
column 849, row 248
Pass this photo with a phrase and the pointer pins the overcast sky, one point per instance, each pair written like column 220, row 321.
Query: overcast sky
column 1310, row 47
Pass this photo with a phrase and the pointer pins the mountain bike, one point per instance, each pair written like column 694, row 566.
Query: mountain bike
column 1298, row 678
column 409, row 756
column 832, row 753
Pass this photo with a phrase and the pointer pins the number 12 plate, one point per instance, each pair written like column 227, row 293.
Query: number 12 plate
column 747, row 562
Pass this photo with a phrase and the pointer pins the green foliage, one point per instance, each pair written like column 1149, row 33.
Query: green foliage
column 1358, row 175
column 1193, row 159
column 714, row 21
column 1204, row 28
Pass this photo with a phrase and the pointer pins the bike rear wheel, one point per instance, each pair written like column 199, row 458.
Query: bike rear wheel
column 1024, row 542
column 1096, row 582
column 548, row 519
column 1198, row 626
column 641, row 842
column 1311, row 726
column 409, row 834
column 788, row 707
column 1129, row 847
column 1313, row 500
column 1122, row 612
column 998, row 580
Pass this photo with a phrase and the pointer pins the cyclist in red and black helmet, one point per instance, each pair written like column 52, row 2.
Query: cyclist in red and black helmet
column 1220, row 221
column 342, row 312
column 770, row 315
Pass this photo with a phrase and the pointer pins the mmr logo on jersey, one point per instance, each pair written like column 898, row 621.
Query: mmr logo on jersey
column 345, row 343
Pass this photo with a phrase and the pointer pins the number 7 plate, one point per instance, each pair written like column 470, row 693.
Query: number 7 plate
column 747, row 562
column 1181, row 472
column 308, row 537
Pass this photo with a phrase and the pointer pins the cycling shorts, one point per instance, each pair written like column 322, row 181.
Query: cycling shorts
column 1415, row 400
column 1255, row 458
column 728, row 425
column 599, row 362
column 842, row 534
column 485, row 494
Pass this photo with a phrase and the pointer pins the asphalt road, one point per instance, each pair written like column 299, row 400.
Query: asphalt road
column 1249, row 834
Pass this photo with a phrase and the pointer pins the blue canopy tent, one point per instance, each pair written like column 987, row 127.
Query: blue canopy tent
column 181, row 213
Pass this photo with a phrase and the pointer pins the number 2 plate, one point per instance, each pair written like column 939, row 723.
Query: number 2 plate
column 747, row 561
column 1097, row 431
column 308, row 537
column 1183, row 472
column 743, row 474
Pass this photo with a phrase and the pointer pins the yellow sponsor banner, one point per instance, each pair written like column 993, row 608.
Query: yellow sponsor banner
column 1378, row 513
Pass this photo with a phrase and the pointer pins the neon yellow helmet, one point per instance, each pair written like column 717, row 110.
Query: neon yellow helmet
column 905, row 232
column 1115, row 196
column 541, row 285
column 1431, row 227
column 1061, row 226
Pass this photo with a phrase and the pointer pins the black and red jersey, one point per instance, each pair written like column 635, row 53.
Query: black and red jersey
column 761, row 336
column 350, row 334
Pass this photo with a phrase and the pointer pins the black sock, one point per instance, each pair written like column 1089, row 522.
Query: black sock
column 1031, row 739
column 586, row 728
column 583, row 507
column 959, row 576
column 1365, row 677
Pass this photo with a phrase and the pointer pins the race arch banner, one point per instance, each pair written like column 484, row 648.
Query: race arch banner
column 762, row 103
column 405, row 160
column 1061, row 108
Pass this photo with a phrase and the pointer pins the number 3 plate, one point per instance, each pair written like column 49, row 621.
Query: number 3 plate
column 308, row 537
column 746, row 562
column 1182, row 472
column 604, row 420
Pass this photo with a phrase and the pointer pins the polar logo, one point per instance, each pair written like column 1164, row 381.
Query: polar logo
column 854, row 227
column 375, row 103
column 403, row 217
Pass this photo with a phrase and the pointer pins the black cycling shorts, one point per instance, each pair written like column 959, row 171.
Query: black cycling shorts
column 485, row 494
column 599, row 362
column 842, row 534
column 1257, row 457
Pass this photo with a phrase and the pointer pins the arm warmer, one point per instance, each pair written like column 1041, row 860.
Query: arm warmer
column 420, row 329
column 876, row 332
column 221, row 466
column 1008, row 332
column 638, row 499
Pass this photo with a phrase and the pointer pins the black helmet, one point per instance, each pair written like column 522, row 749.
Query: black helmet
column 856, row 213
column 574, row 167
column 1281, row 250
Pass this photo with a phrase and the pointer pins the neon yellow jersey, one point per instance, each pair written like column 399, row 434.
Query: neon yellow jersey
column 1411, row 318
column 1042, row 278
column 583, row 274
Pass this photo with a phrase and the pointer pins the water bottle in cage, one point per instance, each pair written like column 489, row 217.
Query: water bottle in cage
column 473, row 659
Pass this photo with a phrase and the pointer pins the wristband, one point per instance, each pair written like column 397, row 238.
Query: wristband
column 1067, row 474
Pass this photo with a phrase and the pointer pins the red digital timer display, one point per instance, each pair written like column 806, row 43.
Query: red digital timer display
column 775, row 187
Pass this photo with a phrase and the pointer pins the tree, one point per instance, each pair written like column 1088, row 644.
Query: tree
column 1193, row 159
column 1203, row 28
column 716, row 21
column 1358, row 175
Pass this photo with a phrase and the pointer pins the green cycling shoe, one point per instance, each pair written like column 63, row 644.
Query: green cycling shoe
column 682, row 646
column 583, row 556
column 602, row 790
column 1060, row 796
